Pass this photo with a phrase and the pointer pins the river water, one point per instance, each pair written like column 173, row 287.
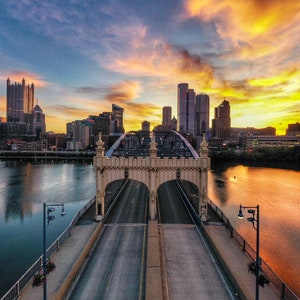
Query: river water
column 24, row 188
column 277, row 191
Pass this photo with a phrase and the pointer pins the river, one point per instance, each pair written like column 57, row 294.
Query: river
column 24, row 187
column 277, row 191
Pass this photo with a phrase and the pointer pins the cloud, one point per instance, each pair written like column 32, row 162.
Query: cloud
column 18, row 75
column 143, row 56
column 252, row 29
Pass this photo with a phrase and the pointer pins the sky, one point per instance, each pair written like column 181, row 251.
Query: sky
column 84, row 56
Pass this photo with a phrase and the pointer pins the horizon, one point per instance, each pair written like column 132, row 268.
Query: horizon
column 134, row 55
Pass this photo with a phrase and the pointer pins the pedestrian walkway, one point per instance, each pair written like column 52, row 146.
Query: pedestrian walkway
column 68, row 261
column 235, row 261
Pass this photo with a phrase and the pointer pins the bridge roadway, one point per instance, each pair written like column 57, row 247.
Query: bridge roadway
column 178, row 265
column 189, row 267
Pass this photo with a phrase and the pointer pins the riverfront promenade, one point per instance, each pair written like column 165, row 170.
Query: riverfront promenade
column 77, row 248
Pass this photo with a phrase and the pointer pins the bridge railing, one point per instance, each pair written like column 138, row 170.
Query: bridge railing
column 16, row 289
column 285, row 292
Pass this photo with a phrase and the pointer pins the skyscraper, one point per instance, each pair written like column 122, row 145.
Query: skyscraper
column 19, row 102
column 182, row 106
column 38, row 122
column 201, row 114
column 192, row 110
column 166, row 117
column 185, row 108
column 117, row 119
column 222, row 122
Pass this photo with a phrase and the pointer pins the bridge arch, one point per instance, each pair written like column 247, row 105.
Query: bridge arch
column 152, row 170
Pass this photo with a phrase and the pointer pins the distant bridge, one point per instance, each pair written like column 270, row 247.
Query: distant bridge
column 151, row 159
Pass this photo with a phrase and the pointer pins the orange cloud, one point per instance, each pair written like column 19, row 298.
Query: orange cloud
column 147, row 56
column 18, row 75
column 3, row 106
column 257, row 28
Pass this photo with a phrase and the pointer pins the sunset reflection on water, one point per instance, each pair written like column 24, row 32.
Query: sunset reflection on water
column 277, row 191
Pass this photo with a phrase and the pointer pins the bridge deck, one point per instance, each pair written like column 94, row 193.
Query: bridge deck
column 76, row 246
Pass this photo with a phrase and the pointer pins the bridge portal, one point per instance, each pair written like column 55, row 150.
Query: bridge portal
column 161, row 159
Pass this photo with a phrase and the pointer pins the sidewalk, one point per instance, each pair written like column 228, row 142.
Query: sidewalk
column 68, row 261
column 236, row 262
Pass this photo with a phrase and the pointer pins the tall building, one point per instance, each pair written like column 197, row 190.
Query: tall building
column 222, row 122
column 192, row 110
column 201, row 114
column 117, row 119
column 19, row 102
column 146, row 126
column 38, row 122
column 166, row 116
column 182, row 106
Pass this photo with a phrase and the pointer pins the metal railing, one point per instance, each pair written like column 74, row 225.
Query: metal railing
column 279, row 286
column 16, row 289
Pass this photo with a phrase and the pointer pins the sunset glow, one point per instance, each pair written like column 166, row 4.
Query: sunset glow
column 84, row 56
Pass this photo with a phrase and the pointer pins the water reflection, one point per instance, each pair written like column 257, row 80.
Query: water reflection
column 23, row 189
column 277, row 191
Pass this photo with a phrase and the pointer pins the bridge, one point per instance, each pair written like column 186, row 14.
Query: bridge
column 152, row 160
column 150, row 242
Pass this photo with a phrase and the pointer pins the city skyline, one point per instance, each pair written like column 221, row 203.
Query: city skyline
column 84, row 56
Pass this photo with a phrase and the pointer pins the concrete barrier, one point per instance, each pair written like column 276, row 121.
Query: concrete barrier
column 64, row 288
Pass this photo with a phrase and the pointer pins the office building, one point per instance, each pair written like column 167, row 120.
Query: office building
column 19, row 102
column 38, row 122
column 117, row 119
column 166, row 116
column 146, row 126
column 182, row 99
column 192, row 111
column 201, row 114
column 222, row 122
column 185, row 108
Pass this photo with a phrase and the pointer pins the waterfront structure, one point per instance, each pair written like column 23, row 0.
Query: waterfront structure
column 222, row 121
column 270, row 141
column 293, row 129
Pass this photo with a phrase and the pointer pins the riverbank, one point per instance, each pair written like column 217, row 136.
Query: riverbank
column 48, row 156
column 283, row 158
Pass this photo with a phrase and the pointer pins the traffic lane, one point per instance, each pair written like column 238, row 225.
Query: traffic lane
column 116, row 268
column 172, row 209
column 190, row 270
column 132, row 207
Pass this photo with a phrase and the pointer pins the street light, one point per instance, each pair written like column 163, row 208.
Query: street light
column 48, row 208
column 254, row 210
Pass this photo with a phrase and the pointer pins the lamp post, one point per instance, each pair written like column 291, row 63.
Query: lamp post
column 47, row 211
column 254, row 210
